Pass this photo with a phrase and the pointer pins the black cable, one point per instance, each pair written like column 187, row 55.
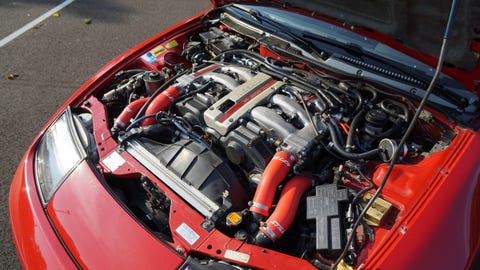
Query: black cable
column 371, row 185
column 409, row 130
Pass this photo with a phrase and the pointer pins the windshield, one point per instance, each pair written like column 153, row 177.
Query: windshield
column 302, row 24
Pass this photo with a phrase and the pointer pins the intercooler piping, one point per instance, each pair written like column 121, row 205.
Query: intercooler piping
column 275, row 172
column 123, row 120
column 161, row 103
column 285, row 212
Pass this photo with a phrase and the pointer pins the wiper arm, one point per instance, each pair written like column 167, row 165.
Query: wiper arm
column 357, row 50
column 335, row 65
column 454, row 96
column 280, row 30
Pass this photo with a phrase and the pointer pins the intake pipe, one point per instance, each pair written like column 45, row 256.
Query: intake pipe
column 123, row 120
column 275, row 172
column 285, row 212
column 161, row 103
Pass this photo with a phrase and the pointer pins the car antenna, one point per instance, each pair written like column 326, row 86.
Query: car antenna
column 446, row 37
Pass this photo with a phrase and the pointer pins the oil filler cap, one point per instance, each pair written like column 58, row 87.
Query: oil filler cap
column 234, row 219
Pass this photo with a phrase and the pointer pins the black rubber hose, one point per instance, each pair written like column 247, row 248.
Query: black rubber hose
column 338, row 133
column 403, row 107
column 156, row 130
column 338, row 147
column 353, row 126
column 373, row 92
column 359, row 97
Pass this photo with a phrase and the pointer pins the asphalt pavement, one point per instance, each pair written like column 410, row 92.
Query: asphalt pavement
column 45, row 65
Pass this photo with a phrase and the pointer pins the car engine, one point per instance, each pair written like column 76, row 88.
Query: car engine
column 270, row 150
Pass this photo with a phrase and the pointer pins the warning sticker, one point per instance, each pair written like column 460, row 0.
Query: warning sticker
column 158, row 50
column 171, row 44
column 237, row 256
column 149, row 58
column 113, row 161
column 187, row 233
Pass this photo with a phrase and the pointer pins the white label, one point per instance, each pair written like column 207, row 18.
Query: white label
column 113, row 161
column 187, row 233
column 237, row 256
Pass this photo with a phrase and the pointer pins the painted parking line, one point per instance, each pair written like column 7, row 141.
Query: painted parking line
column 31, row 24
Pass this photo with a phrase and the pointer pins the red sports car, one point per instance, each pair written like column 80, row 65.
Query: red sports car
column 268, row 135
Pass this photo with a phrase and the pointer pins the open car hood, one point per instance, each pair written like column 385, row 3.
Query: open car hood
column 417, row 24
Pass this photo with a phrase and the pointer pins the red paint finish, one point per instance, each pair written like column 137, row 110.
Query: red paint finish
column 436, row 199
column 37, row 244
column 103, row 137
column 161, row 103
column 264, row 86
column 99, row 233
column 205, row 70
column 283, row 215
column 274, row 173
column 218, row 244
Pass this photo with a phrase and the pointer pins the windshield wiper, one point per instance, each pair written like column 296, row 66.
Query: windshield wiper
column 357, row 50
column 454, row 95
column 279, row 29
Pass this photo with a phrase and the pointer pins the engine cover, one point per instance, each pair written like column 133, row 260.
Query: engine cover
column 223, row 115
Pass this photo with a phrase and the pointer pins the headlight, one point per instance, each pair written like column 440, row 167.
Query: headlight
column 58, row 154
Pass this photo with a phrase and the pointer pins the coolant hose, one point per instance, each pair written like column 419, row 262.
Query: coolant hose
column 275, row 172
column 338, row 146
column 284, row 214
column 353, row 126
column 161, row 103
column 128, row 113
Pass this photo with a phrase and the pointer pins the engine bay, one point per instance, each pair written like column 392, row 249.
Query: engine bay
column 270, row 150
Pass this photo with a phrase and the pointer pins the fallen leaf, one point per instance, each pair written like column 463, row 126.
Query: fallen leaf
column 12, row 76
column 87, row 21
column 56, row 14
column 36, row 26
